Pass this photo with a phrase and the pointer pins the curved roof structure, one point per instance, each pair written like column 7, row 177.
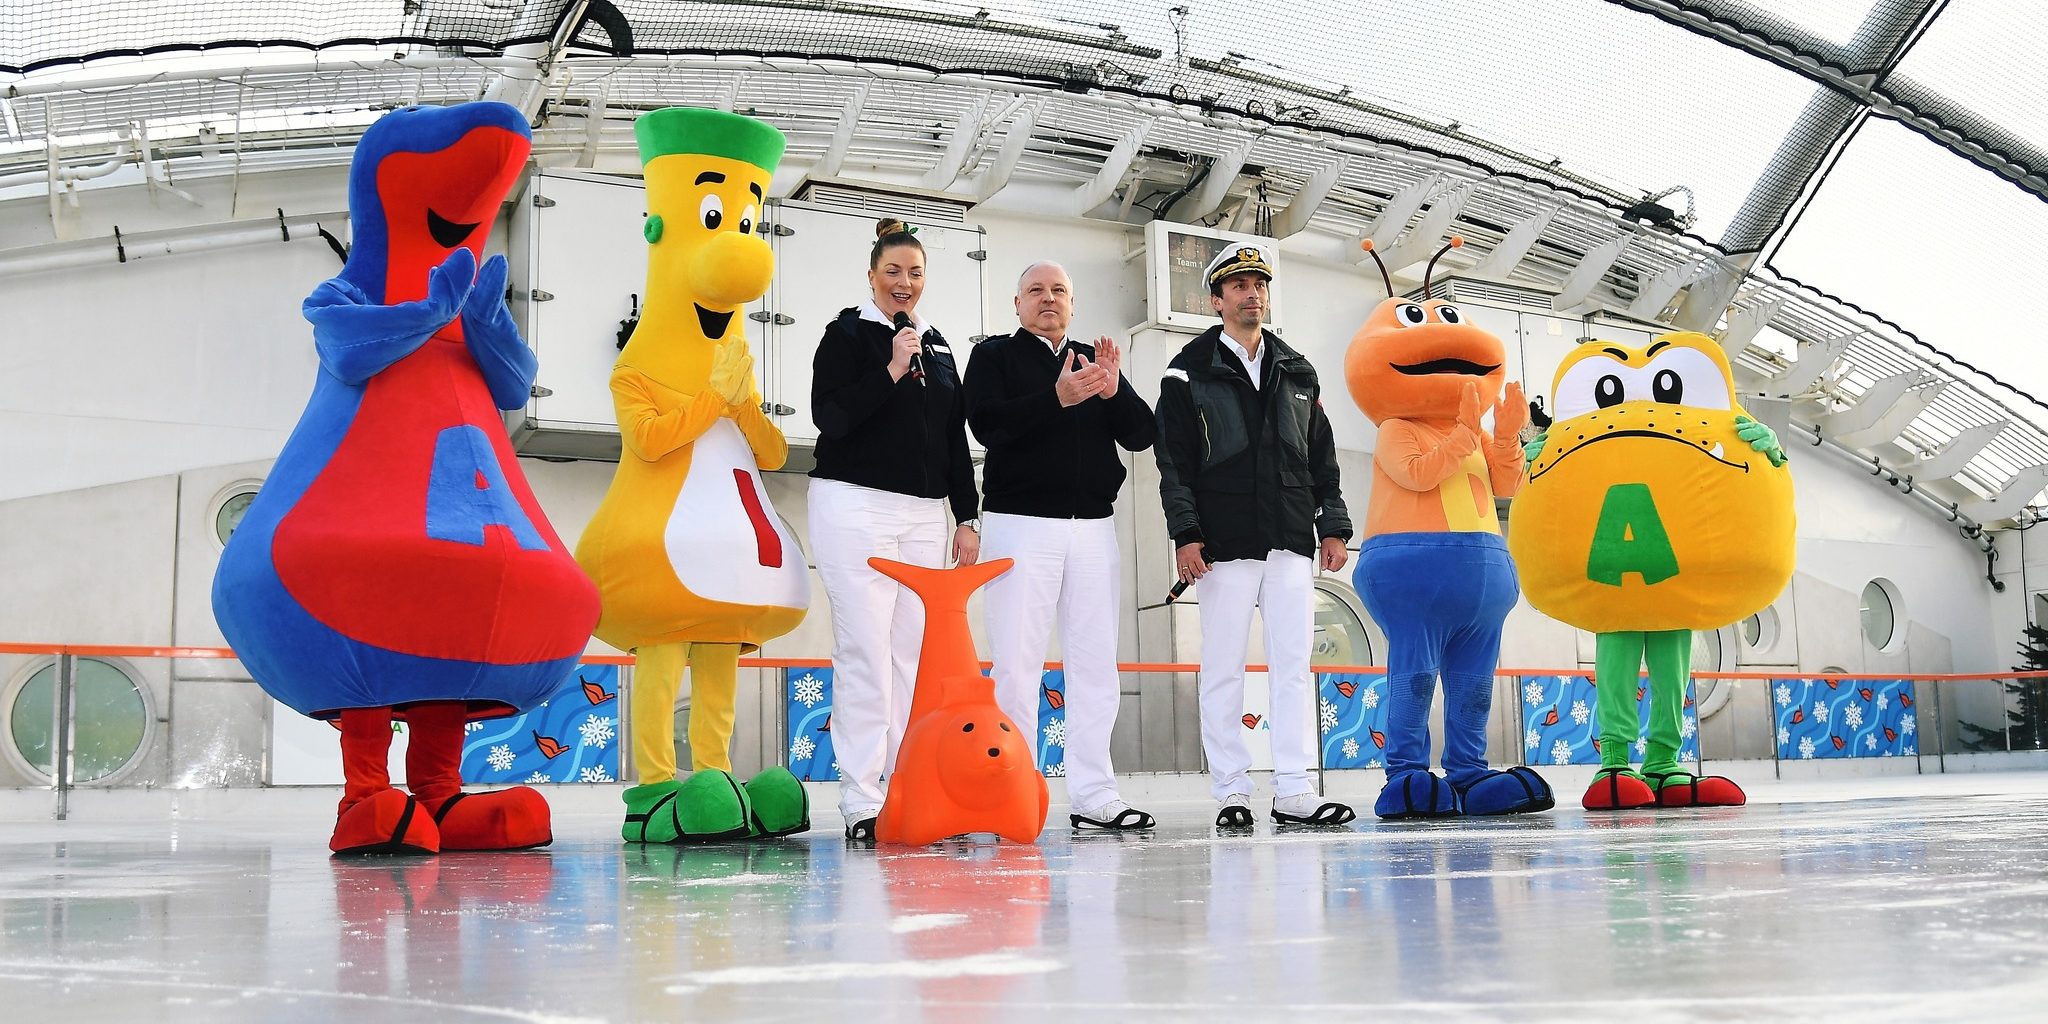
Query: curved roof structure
column 1847, row 192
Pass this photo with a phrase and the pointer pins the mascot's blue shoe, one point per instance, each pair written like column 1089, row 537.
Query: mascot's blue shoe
column 1416, row 794
column 1515, row 791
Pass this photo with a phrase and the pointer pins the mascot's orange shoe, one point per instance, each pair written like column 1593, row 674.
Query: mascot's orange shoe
column 964, row 767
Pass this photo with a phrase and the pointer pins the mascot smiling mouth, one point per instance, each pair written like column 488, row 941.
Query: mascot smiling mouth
column 714, row 324
column 447, row 234
column 1464, row 366
column 1714, row 453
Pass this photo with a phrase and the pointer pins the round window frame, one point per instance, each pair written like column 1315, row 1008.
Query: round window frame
column 19, row 761
column 1710, row 703
column 1896, row 641
column 1770, row 629
column 1375, row 637
column 247, row 485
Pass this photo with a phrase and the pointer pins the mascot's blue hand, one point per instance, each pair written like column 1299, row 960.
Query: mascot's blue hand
column 1761, row 438
column 507, row 363
column 449, row 285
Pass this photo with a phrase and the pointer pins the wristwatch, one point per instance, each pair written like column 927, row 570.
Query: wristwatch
column 973, row 524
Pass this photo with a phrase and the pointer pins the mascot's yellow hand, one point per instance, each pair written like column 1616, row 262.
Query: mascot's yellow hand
column 1510, row 415
column 732, row 375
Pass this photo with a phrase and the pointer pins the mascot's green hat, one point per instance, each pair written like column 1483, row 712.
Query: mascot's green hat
column 704, row 132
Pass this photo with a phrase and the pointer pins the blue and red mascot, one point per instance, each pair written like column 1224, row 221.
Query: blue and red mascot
column 395, row 566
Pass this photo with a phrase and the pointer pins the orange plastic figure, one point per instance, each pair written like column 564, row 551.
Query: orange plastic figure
column 964, row 766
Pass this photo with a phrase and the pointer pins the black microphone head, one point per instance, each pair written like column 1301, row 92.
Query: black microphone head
column 902, row 320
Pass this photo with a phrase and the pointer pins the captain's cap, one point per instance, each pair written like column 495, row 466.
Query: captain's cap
column 1237, row 259
column 703, row 132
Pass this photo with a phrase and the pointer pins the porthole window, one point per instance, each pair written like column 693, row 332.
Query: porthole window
column 229, row 507
column 110, row 715
column 1760, row 631
column 1340, row 634
column 1880, row 611
column 1711, row 653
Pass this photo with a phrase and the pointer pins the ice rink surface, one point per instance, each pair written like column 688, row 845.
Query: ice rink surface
column 1913, row 898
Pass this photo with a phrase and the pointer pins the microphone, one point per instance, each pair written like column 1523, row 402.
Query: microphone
column 916, row 361
column 1179, row 587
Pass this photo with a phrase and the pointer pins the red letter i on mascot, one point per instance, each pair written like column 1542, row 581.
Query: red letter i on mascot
column 395, row 565
column 694, row 564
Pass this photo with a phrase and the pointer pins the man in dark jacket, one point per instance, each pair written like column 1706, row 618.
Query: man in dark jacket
column 1248, row 475
column 1053, row 410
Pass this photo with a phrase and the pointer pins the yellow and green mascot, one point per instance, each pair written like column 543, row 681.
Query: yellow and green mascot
column 693, row 565
column 1654, row 506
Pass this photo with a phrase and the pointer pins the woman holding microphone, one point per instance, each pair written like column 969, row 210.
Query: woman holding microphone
column 892, row 454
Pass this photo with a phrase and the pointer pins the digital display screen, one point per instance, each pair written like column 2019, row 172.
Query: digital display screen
column 1186, row 256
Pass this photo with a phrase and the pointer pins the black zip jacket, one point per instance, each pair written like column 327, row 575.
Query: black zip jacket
column 1045, row 459
column 1245, row 471
column 899, row 436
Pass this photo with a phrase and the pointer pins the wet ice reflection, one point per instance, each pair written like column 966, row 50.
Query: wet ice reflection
column 1895, row 909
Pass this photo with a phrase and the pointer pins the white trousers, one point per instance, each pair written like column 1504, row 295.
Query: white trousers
column 877, row 624
column 1069, row 568
column 1281, row 587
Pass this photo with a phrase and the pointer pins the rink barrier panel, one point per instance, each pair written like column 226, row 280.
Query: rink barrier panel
column 1809, row 712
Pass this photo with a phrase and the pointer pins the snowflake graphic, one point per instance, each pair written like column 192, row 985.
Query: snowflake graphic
column 1687, row 726
column 538, row 777
column 802, row 748
column 1870, row 742
column 1820, row 711
column 1350, row 749
column 597, row 774
column 1906, row 724
column 470, row 727
column 1056, row 770
column 1580, row 712
column 501, row 758
column 1883, row 701
column 1532, row 693
column 1641, row 745
column 1784, row 736
column 1784, row 695
column 597, row 732
column 835, row 767
column 1056, row 733
column 1806, row 747
column 1560, row 752
column 1910, row 751
column 1532, row 739
column 1370, row 698
column 1373, row 763
column 1327, row 717
column 810, row 690
column 1852, row 716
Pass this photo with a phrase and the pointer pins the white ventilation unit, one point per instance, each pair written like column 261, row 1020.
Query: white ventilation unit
column 914, row 205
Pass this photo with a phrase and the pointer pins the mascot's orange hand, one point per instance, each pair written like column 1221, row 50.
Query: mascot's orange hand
column 1510, row 416
column 1465, row 442
column 732, row 374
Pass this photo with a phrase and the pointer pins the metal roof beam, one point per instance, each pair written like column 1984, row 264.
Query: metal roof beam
column 1956, row 456
column 1431, row 231
column 1302, row 208
column 1883, row 411
column 1499, row 264
column 2018, row 493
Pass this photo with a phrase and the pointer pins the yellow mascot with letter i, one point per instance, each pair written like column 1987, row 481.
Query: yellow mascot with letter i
column 692, row 562
column 1654, row 506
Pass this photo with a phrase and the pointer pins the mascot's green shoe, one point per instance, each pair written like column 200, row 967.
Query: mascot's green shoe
column 780, row 805
column 705, row 807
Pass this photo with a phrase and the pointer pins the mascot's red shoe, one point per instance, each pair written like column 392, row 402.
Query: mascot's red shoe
column 1618, row 789
column 385, row 822
column 1684, row 789
column 511, row 819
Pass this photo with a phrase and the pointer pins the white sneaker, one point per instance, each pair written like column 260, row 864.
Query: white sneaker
column 1115, row 816
column 1235, row 811
column 1310, row 809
